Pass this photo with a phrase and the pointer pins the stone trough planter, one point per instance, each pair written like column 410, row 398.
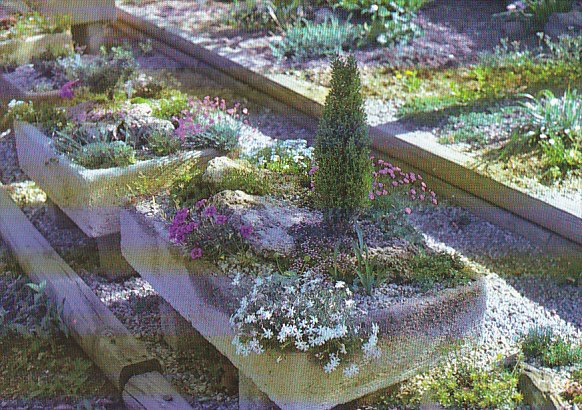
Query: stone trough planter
column 413, row 335
column 91, row 198
column 21, row 50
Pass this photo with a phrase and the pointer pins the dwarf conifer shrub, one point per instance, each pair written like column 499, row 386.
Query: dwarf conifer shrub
column 343, row 178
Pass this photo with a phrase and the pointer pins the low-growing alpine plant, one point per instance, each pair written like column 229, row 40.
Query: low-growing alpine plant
column 303, row 313
column 204, row 231
column 210, row 123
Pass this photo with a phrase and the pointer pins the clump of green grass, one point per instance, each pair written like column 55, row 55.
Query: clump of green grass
column 550, row 349
column 305, row 40
column 192, row 186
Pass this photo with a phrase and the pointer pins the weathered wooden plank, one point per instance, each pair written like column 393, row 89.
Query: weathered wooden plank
column 99, row 333
column 560, row 217
column 151, row 391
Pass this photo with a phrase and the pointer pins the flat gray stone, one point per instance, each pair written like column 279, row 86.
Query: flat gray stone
column 271, row 220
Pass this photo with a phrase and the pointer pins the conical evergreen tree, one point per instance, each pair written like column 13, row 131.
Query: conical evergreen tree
column 344, row 176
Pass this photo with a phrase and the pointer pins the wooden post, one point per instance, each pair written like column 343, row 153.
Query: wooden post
column 250, row 397
column 99, row 333
column 113, row 264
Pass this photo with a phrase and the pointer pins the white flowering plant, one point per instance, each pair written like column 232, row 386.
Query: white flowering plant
column 303, row 313
column 290, row 156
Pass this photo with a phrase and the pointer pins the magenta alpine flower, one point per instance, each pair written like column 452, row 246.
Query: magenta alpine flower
column 210, row 211
column 220, row 219
column 245, row 231
column 66, row 90
column 196, row 253
column 200, row 204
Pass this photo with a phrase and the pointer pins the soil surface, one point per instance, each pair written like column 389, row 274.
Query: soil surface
column 454, row 33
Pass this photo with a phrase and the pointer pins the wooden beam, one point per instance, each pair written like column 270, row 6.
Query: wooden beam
column 99, row 333
column 150, row 391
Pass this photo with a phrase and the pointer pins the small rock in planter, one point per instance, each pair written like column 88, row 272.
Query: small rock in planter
column 271, row 220
column 564, row 23
column 536, row 387
column 217, row 167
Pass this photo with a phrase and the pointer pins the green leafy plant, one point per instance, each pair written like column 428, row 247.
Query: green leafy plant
column 361, row 5
column 192, row 187
column 369, row 274
column 33, row 23
column 305, row 40
column 556, row 125
column 94, row 150
column 550, row 349
column 344, row 175
column 466, row 386
column 169, row 106
column 428, row 268
column 387, row 27
column 162, row 143
column 111, row 70
column 268, row 14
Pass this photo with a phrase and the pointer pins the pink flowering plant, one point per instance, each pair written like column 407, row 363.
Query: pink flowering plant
column 210, row 123
column 205, row 231
column 389, row 180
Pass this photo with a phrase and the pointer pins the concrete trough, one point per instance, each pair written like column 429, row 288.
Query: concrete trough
column 93, row 198
column 413, row 335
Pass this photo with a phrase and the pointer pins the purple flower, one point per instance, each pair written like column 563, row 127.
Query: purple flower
column 210, row 211
column 246, row 230
column 196, row 253
column 220, row 219
column 66, row 91
column 200, row 204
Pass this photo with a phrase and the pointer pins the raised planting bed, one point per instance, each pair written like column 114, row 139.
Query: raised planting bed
column 557, row 216
column 24, row 38
column 91, row 197
column 413, row 334
column 60, row 76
